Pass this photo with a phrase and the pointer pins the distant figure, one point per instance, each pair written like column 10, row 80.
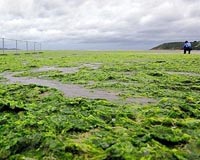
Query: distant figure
column 187, row 47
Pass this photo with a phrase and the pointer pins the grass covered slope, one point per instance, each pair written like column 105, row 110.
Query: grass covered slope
column 176, row 46
column 38, row 122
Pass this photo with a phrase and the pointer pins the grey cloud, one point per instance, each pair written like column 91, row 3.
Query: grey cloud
column 130, row 23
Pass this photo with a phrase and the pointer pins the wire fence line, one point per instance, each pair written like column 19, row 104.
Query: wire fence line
column 16, row 46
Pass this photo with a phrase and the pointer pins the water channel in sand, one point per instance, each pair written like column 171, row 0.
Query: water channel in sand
column 72, row 90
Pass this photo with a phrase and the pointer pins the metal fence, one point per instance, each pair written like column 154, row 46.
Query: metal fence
column 17, row 46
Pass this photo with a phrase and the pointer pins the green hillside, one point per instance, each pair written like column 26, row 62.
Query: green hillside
column 176, row 45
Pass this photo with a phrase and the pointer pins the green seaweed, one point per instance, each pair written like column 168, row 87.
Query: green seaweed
column 38, row 122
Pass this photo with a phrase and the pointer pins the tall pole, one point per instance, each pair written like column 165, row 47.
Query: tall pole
column 34, row 47
column 3, row 44
column 40, row 46
column 16, row 46
column 27, row 46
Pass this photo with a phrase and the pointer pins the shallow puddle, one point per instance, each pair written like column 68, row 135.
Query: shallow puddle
column 141, row 100
column 52, row 68
column 73, row 90
column 92, row 66
column 185, row 73
column 66, row 69
column 69, row 90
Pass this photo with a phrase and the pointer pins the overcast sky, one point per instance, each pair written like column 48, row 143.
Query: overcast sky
column 100, row 24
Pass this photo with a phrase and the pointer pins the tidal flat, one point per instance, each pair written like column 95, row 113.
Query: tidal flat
column 136, row 105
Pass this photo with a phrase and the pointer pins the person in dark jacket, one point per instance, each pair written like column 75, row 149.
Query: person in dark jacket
column 187, row 47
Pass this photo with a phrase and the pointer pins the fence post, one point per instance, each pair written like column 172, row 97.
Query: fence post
column 16, row 46
column 27, row 46
column 3, row 44
column 40, row 46
column 34, row 47
column 28, row 43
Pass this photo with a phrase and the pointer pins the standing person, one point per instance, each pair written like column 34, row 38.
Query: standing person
column 187, row 47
